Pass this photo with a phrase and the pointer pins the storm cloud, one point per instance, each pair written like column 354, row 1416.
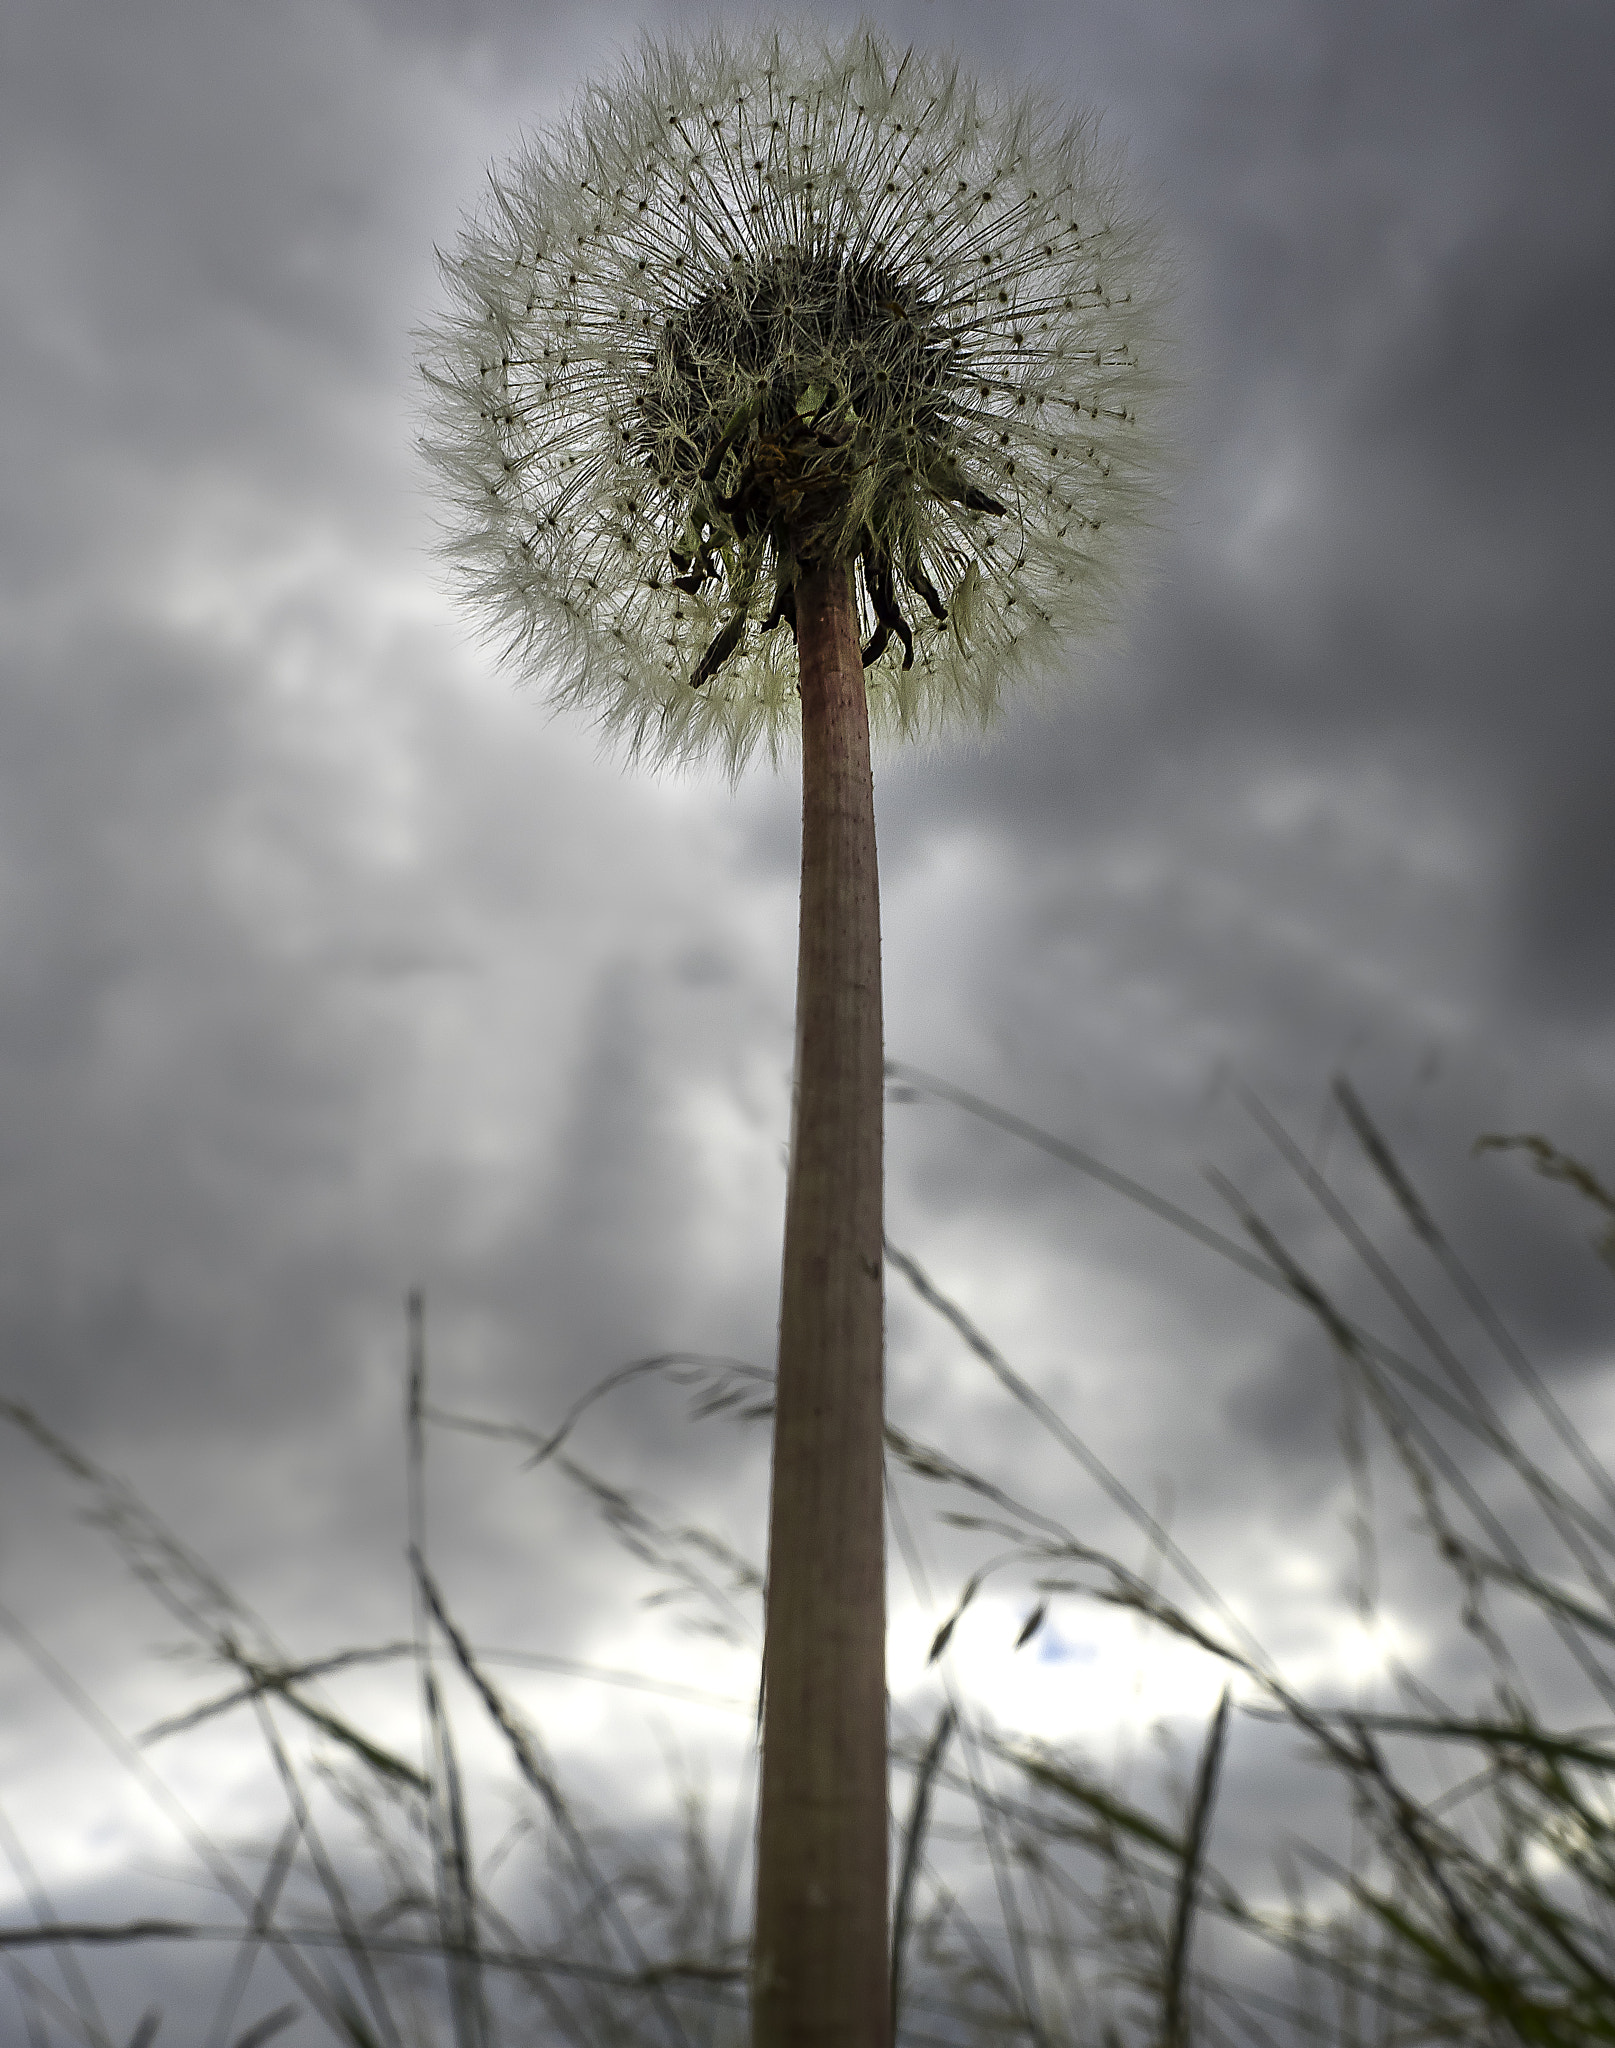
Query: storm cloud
column 330, row 965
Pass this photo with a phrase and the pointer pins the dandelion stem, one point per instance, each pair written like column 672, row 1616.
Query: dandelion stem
column 820, row 1962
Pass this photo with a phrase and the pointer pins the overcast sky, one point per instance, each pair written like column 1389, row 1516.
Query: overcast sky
column 332, row 964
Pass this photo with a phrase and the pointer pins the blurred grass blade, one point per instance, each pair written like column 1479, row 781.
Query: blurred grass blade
column 273, row 1678
column 1554, row 1501
column 536, row 1771
column 1032, row 1624
column 944, row 1635
column 1422, row 1455
column 1190, row 1225
column 74, row 1981
column 545, row 1447
column 1175, row 2004
column 925, row 1461
column 263, row 2031
column 1558, row 1166
column 1553, row 1164
column 1028, row 1397
column 1059, row 1775
column 262, row 1681
column 445, row 1804
column 908, row 1869
column 1563, row 1511
column 218, row 1865
column 1085, row 1163
column 263, row 1912
column 336, row 1895
column 1499, row 1736
column 457, row 1905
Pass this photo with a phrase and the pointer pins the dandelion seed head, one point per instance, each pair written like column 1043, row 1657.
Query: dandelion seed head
column 770, row 301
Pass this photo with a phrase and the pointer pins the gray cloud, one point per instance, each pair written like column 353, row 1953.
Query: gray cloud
column 327, row 965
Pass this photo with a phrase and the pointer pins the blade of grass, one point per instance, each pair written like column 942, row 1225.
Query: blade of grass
column 261, row 2032
column 191, row 1592
column 114, row 1933
column 535, row 1769
column 672, row 1551
column 517, row 1961
column 1085, row 1163
column 1190, row 1225
column 39, row 1998
column 457, row 1904
column 634, row 1681
column 913, row 1841
column 1175, row 2005
column 383, row 1653
column 1491, row 1735
column 262, row 1681
column 1435, row 1852
column 1424, row 1226
column 191, row 1832
column 1419, row 1449
column 270, row 1678
column 331, row 1884
column 74, row 1981
column 1563, row 1512
column 1056, row 1426
column 930, row 1464
column 925, row 1461
column 263, row 1911
column 582, row 2032
column 1055, row 1775
column 1024, row 2013
column 445, row 1805
column 17, row 1977
column 669, row 1551
column 664, row 1361
column 166, row 1566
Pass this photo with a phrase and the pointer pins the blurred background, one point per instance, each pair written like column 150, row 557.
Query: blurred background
column 332, row 965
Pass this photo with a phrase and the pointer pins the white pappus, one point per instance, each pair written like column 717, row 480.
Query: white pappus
column 769, row 300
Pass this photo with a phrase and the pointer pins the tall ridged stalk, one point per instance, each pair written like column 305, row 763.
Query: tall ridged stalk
column 820, row 1968
column 780, row 332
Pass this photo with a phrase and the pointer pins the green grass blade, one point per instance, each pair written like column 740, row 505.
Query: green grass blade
column 913, row 1842
column 1175, row 2005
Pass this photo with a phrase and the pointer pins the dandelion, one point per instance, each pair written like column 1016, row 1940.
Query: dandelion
column 792, row 391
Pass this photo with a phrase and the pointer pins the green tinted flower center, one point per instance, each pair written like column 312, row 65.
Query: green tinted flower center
column 774, row 394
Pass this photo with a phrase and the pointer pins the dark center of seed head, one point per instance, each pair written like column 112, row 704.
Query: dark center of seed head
column 792, row 412
column 772, row 391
